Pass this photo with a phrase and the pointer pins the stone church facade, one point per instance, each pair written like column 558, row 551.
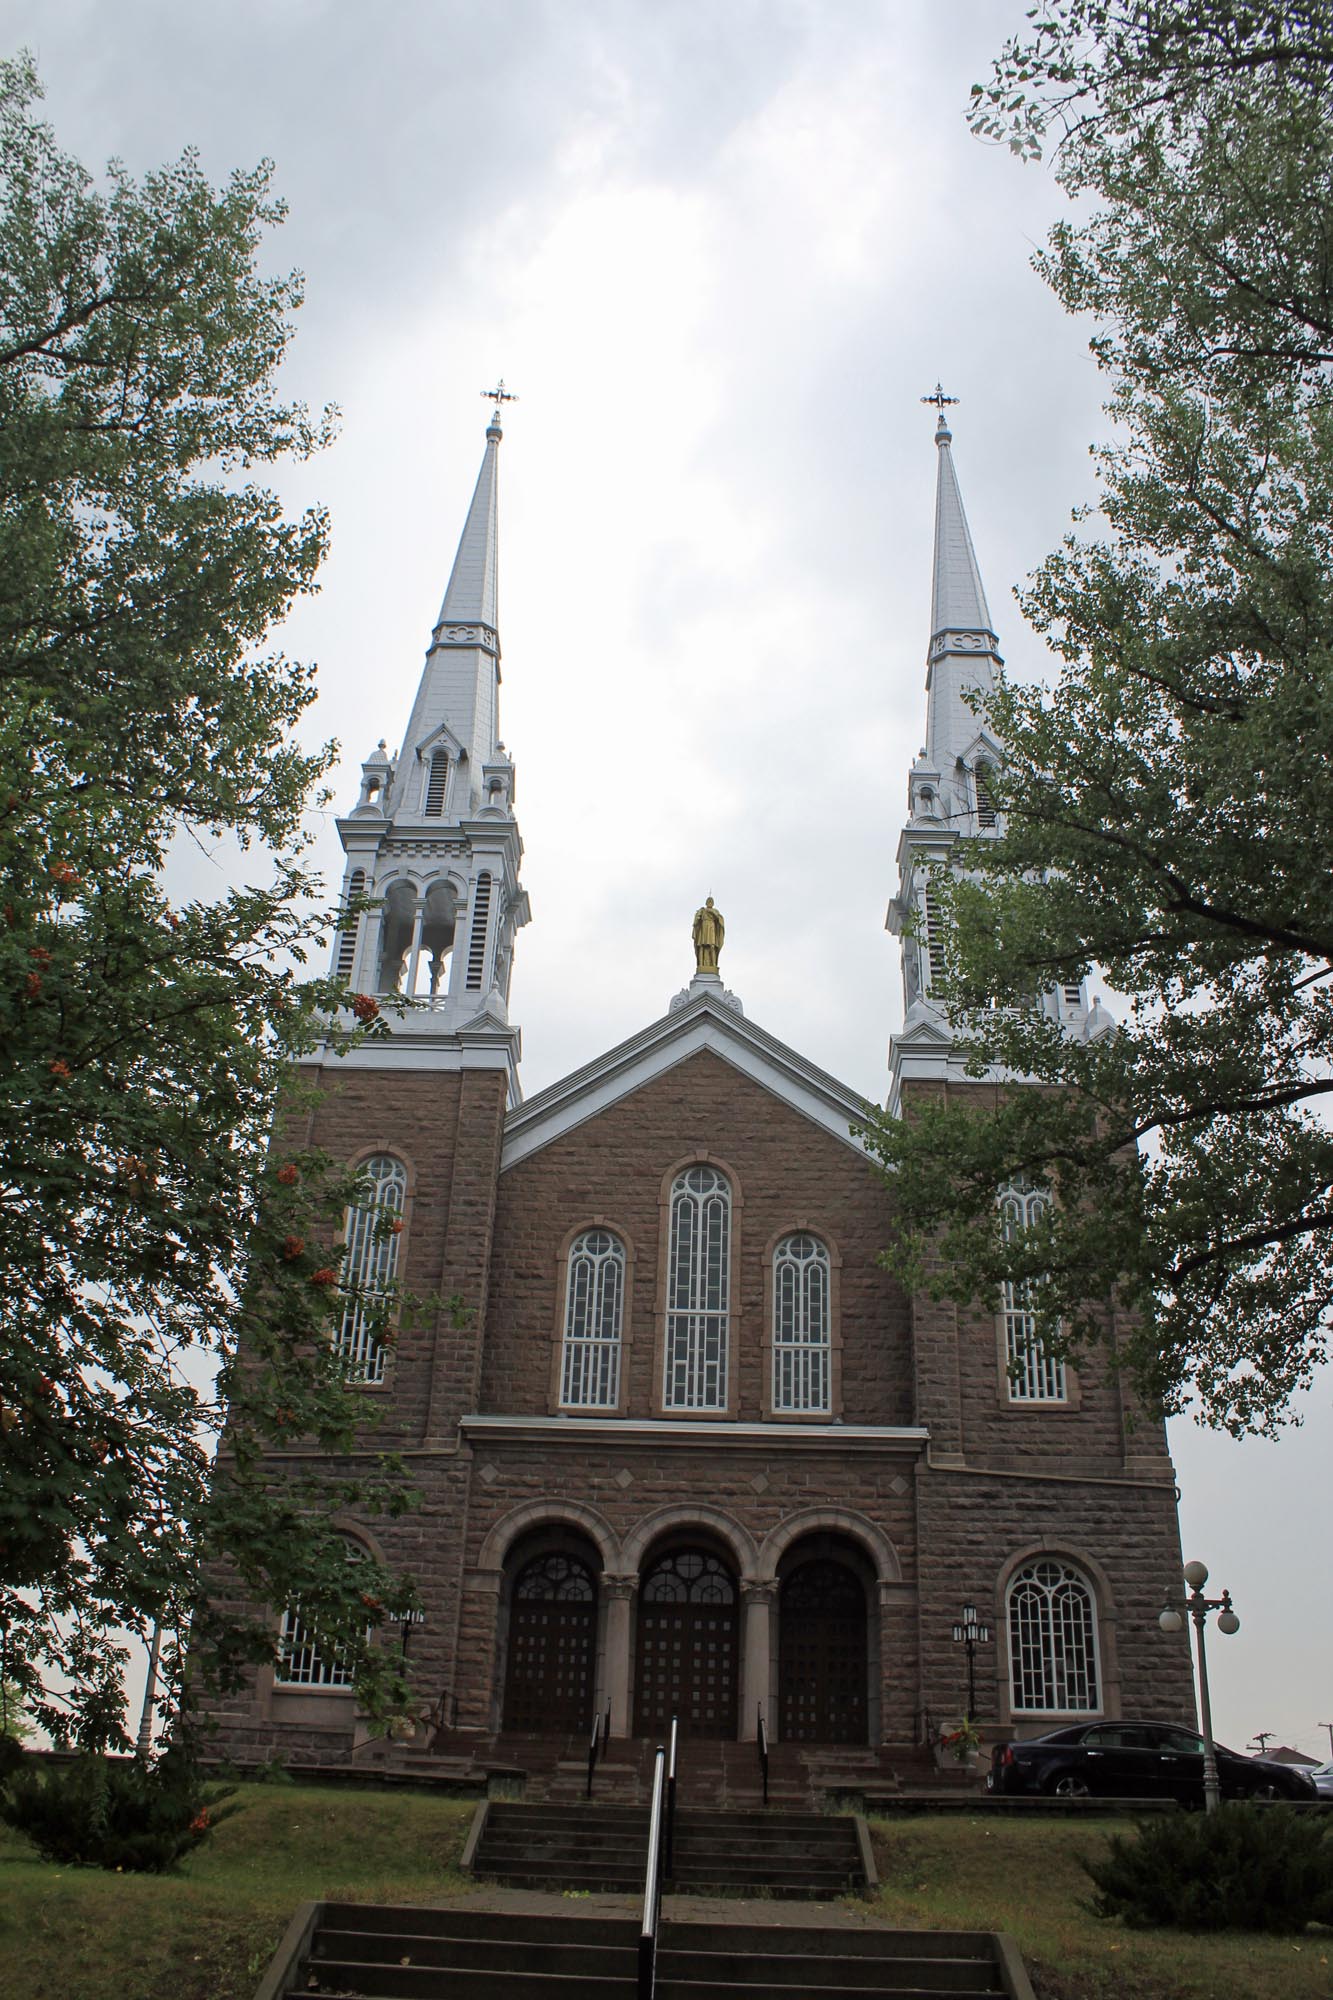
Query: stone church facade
column 683, row 1447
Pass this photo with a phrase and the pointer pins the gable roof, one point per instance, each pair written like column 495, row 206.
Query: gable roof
column 705, row 1022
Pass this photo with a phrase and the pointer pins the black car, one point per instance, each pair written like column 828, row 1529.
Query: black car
column 1135, row 1760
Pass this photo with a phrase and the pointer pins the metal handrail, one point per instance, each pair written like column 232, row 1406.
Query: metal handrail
column 606, row 1728
column 652, row 1882
column 671, row 1801
column 761, row 1744
column 592, row 1753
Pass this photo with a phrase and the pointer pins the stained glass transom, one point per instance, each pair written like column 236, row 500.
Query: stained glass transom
column 1052, row 1640
column 1035, row 1374
column 801, row 1324
column 370, row 1266
column 594, row 1308
column 698, row 1291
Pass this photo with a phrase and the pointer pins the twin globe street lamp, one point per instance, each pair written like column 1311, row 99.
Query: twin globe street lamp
column 1198, row 1606
column 970, row 1632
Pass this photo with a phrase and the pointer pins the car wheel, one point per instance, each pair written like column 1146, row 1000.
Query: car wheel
column 1068, row 1785
column 1268, row 1791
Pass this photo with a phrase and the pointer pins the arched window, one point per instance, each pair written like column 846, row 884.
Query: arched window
column 698, row 1291
column 594, row 1307
column 370, row 1265
column 1035, row 1375
column 801, row 1324
column 302, row 1660
column 1052, row 1640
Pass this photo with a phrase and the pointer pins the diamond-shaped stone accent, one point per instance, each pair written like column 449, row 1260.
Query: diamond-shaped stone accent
column 898, row 1485
column 760, row 1482
column 624, row 1478
column 488, row 1473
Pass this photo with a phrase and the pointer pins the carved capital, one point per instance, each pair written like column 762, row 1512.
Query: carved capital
column 617, row 1586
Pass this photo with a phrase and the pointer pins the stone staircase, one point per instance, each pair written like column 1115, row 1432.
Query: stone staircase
column 387, row 1953
column 595, row 1847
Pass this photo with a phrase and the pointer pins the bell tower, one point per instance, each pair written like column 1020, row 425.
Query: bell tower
column 433, row 840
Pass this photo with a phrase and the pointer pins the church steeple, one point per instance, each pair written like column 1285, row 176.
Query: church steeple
column 433, row 838
column 963, row 648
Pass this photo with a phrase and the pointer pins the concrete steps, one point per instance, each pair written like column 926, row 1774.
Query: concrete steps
column 382, row 1952
column 606, row 1847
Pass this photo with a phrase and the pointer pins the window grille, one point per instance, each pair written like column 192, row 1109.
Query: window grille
column 594, row 1305
column 698, row 1291
column 346, row 959
column 1052, row 1640
column 370, row 1266
column 1035, row 1374
column 437, row 784
column 801, row 1351
column 302, row 1662
column 481, row 916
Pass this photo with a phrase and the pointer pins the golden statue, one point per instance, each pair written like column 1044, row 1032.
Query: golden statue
column 708, row 933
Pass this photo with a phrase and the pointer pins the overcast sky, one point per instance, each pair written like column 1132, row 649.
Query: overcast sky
column 720, row 248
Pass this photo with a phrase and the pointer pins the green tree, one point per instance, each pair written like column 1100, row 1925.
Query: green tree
column 1166, row 812
column 144, row 1047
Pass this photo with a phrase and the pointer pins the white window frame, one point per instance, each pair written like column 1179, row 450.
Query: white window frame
column 370, row 1267
column 594, row 1321
column 1033, row 1375
column 300, row 1663
column 698, row 1291
column 802, row 1325
column 1054, row 1651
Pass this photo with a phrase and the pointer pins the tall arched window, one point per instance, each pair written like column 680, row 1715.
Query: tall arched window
column 303, row 1659
column 1035, row 1375
column 801, row 1350
column 698, row 1291
column 370, row 1265
column 437, row 784
column 594, row 1307
column 1052, row 1640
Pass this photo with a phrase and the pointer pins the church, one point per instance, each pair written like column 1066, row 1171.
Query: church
column 683, row 1448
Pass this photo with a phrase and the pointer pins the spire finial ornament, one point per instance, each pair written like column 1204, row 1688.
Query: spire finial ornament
column 707, row 933
column 499, row 395
column 939, row 399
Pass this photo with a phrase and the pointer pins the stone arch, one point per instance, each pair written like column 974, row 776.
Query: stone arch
column 828, row 1521
column 549, row 1514
column 682, row 1518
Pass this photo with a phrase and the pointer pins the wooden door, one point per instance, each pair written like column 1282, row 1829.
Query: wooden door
column 822, row 1656
column 688, row 1647
column 552, row 1648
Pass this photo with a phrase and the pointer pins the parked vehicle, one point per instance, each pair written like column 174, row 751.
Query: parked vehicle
column 1322, row 1778
column 1136, row 1760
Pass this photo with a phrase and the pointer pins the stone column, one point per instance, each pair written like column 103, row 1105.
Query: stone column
column 618, row 1592
column 757, row 1596
column 414, row 952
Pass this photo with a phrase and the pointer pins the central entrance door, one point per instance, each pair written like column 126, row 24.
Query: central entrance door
column 552, row 1647
column 687, row 1664
column 822, row 1655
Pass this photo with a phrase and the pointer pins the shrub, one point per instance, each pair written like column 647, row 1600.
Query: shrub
column 1242, row 1868
column 95, row 1813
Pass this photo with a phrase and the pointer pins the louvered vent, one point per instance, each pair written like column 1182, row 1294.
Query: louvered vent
column 346, row 959
column 481, row 916
column 437, row 784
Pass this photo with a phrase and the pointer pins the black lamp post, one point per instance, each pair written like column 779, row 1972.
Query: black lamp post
column 1198, row 1606
column 970, row 1632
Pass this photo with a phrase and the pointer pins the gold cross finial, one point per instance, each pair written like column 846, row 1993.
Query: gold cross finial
column 939, row 399
column 499, row 395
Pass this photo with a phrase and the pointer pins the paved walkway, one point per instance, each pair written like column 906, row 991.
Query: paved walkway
column 845, row 1914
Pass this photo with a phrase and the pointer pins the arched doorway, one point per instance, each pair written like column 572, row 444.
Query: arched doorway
column 551, row 1654
column 822, row 1654
column 688, row 1646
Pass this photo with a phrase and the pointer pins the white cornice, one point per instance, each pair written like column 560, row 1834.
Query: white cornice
column 894, row 1440
column 705, row 1023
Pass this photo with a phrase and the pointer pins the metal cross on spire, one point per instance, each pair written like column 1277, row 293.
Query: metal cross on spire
column 499, row 395
column 939, row 399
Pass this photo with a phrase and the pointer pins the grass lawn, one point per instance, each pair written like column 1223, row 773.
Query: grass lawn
column 1023, row 1876
column 208, row 1931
